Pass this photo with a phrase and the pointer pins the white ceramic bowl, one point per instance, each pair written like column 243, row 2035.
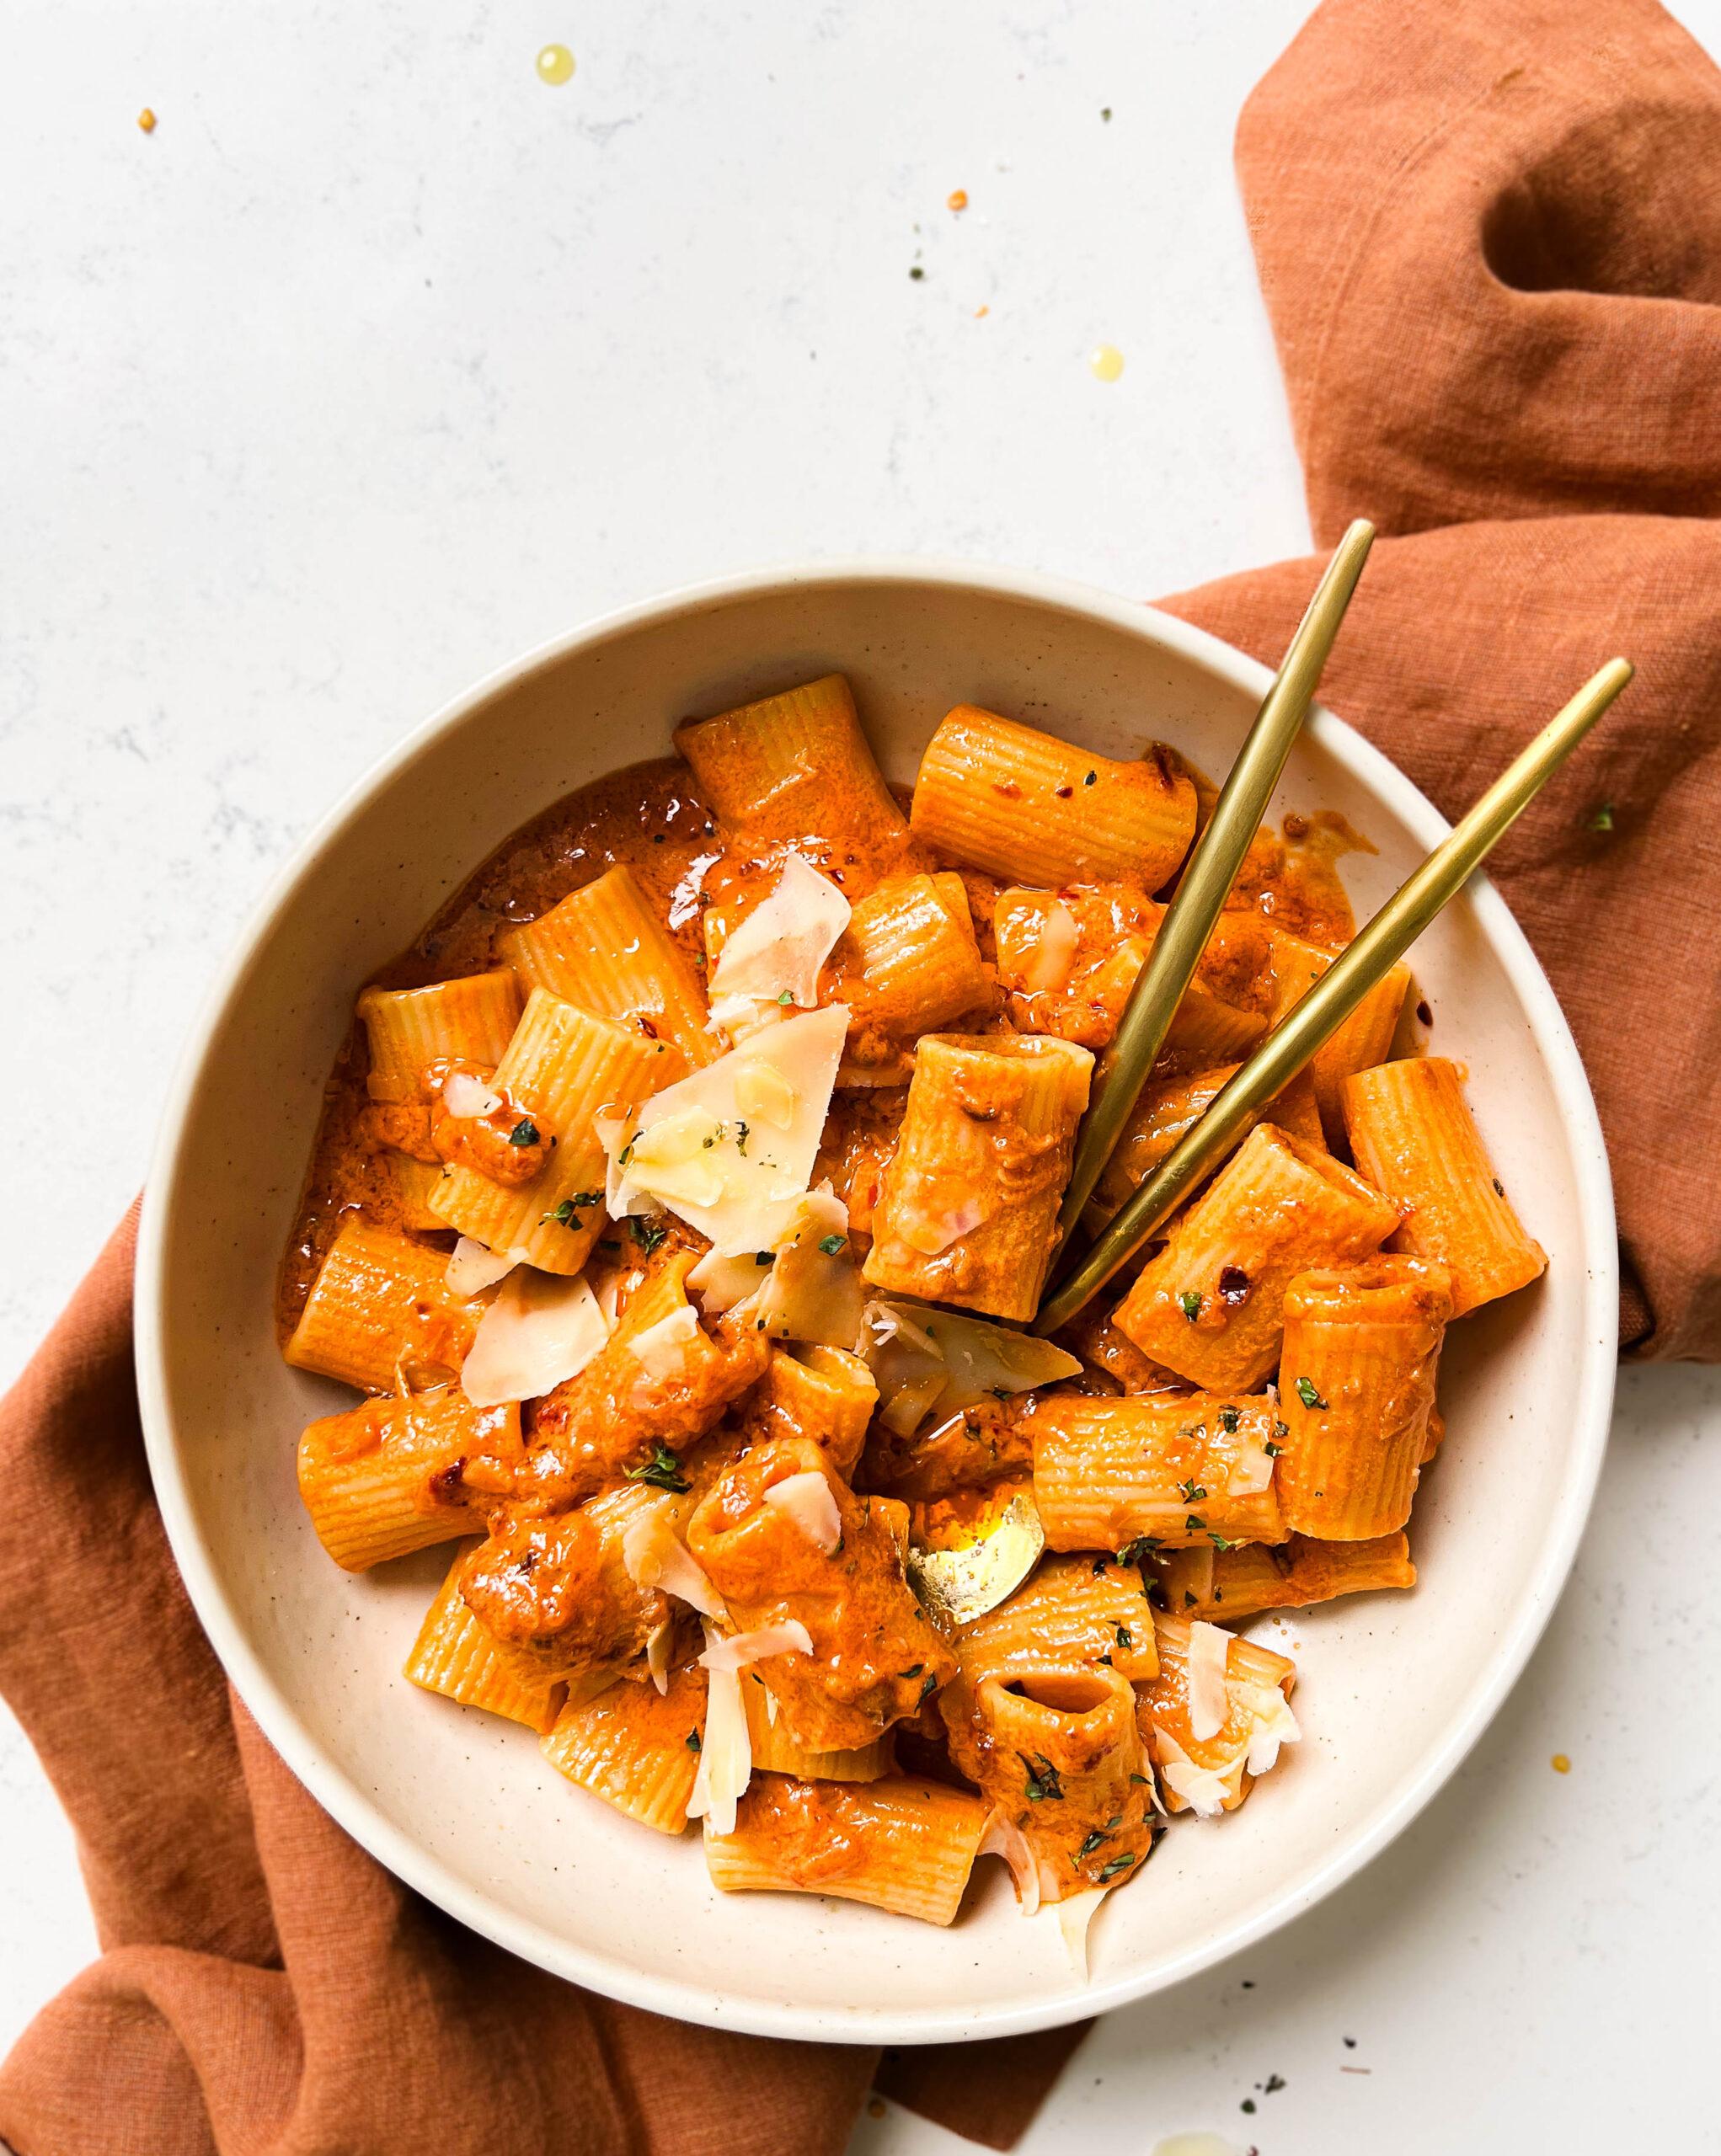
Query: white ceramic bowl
column 1393, row 1690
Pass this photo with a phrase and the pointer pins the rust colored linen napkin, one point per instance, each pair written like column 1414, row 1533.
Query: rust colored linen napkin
column 1493, row 258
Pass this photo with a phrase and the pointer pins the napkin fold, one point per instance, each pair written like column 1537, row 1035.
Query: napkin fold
column 1491, row 246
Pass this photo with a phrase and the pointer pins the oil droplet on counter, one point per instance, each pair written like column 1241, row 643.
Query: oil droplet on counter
column 1560, row 1763
column 146, row 121
column 555, row 64
column 1106, row 362
column 1196, row 2144
column 956, row 199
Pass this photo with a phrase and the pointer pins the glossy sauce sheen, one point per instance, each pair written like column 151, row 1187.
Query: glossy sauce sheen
column 651, row 817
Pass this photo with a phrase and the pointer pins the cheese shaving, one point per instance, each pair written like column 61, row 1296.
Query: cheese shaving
column 463, row 1094
column 725, row 1170
column 740, row 1649
column 1004, row 1837
column 811, row 1502
column 813, row 1291
column 660, row 1346
column 654, row 1555
column 1076, row 1913
column 778, row 949
column 541, row 1330
column 931, row 1362
column 473, row 1267
column 657, row 1655
column 725, row 1749
column 1203, row 1789
column 1054, row 954
column 1274, row 1725
column 1209, row 1703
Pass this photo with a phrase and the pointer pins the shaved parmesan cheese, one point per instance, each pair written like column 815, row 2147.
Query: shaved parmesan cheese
column 779, row 947
column 811, row 1502
column 654, row 1555
column 1054, row 954
column 725, row 1749
column 463, row 1094
column 472, row 1268
column 1075, row 1912
column 815, row 1293
column 931, row 1362
column 740, row 1649
column 1253, row 1469
column 1004, row 1837
column 1274, row 1725
column 1203, row 1789
column 657, row 1654
column 1209, row 1703
column 660, row 1346
column 541, row 1330
column 724, row 1170
column 720, row 1283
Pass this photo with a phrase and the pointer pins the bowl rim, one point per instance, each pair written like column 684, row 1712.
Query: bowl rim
column 684, row 2000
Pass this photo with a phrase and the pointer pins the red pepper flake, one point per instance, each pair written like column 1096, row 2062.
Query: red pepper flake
column 1234, row 1284
column 1063, row 792
column 647, row 1028
column 1007, row 788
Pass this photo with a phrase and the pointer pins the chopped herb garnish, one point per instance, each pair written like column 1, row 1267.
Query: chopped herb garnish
column 1133, row 1553
column 1092, row 779
column 1095, row 1841
column 1272, row 1450
column 524, row 1133
column 784, row 1000
column 563, row 1214
column 929, row 1683
column 1194, row 1524
column 663, row 1472
column 1125, row 1637
column 1191, row 1491
column 646, row 1233
column 741, row 1137
column 914, row 1669
column 1118, row 1864
column 693, row 1740
column 625, row 1154
column 831, row 1244
column 1602, row 820
column 917, row 273
column 1306, row 1394
column 1227, row 1420
column 1142, row 1778
column 1043, row 1780
column 1281, row 1429
column 1219, row 1542
column 1189, row 1302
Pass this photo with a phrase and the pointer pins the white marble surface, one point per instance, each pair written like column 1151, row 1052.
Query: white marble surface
column 381, row 360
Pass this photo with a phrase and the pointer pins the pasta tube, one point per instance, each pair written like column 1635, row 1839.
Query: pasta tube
column 455, row 1655
column 466, row 1020
column 1356, row 1383
column 776, row 1752
column 604, row 949
column 1414, row 1137
column 1364, row 1038
column 1216, row 1717
column 563, row 1067
column 824, row 1395
column 901, row 1844
column 792, row 765
column 969, row 1205
column 395, row 1475
column 1227, row 1586
column 1109, row 1472
column 1033, row 810
column 1211, row 1305
column 1058, row 1751
column 1168, row 1108
column 1073, row 1610
column 906, row 964
column 379, row 1315
column 635, row 1747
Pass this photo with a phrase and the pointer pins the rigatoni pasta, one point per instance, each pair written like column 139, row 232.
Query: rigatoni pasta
column 766, row 1515
column 1413, row 1135
column 968, row 1204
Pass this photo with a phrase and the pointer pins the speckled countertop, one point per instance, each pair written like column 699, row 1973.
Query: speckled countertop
column 380, row 359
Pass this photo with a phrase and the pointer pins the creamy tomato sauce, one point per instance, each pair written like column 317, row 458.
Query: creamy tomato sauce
column 652, row 817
